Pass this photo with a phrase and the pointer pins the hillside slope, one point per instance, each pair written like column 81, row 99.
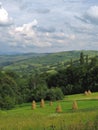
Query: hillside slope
column 36, row 62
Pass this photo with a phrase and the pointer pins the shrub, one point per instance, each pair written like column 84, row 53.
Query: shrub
column 7, row 102
column 54, row 94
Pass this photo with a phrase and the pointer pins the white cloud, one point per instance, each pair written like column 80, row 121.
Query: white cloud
column 71, row 37
column 92, row 14
column 27, row 36
column 24, row 34
column 4, row 17
column 26, row 29
column 62, row 24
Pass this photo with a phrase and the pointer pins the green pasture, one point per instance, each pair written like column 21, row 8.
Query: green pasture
column 24, row 118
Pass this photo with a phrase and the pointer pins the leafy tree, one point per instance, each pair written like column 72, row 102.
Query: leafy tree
column 54, row 94
column 8, row 91
column 39, row 92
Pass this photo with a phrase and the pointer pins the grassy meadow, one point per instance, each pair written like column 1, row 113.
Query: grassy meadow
column 23, row 117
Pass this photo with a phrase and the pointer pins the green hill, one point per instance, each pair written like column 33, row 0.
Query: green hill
column 36, row 62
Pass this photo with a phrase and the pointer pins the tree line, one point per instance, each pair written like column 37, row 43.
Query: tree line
column 16, row 89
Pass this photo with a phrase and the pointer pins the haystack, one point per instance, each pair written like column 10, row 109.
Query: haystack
column 74, row 106
column 42, row 103
column 86, row 93
column 89, row 92
column 58, row 109
column 33, row 104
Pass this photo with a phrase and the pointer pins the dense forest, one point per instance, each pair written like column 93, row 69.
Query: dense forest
column 76, row 76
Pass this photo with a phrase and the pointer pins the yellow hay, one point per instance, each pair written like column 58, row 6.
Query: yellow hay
column 89, row 92
column 33, row 104
column 86, row 93
column 42, row 103
column 74, row 106
column 58, row 109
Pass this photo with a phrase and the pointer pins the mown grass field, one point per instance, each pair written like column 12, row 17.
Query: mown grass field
column 24, row 118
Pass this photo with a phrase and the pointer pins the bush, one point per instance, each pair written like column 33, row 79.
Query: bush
column 55, row 94
column 7, row 102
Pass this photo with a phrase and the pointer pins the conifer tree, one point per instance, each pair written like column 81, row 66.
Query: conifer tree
column 81, row 58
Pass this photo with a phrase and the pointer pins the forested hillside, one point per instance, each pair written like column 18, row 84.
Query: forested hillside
column 51, row 80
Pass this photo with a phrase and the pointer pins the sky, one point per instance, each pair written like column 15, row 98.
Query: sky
column 48, row 25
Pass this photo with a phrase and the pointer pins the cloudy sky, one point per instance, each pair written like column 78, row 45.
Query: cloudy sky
column 48, row 25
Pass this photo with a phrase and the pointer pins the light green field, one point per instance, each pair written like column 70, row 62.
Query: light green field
column 24, row 118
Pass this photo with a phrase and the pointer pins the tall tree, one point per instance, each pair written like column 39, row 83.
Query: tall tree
column 81, row 58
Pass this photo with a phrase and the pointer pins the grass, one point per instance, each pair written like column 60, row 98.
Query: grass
column 24, row 118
